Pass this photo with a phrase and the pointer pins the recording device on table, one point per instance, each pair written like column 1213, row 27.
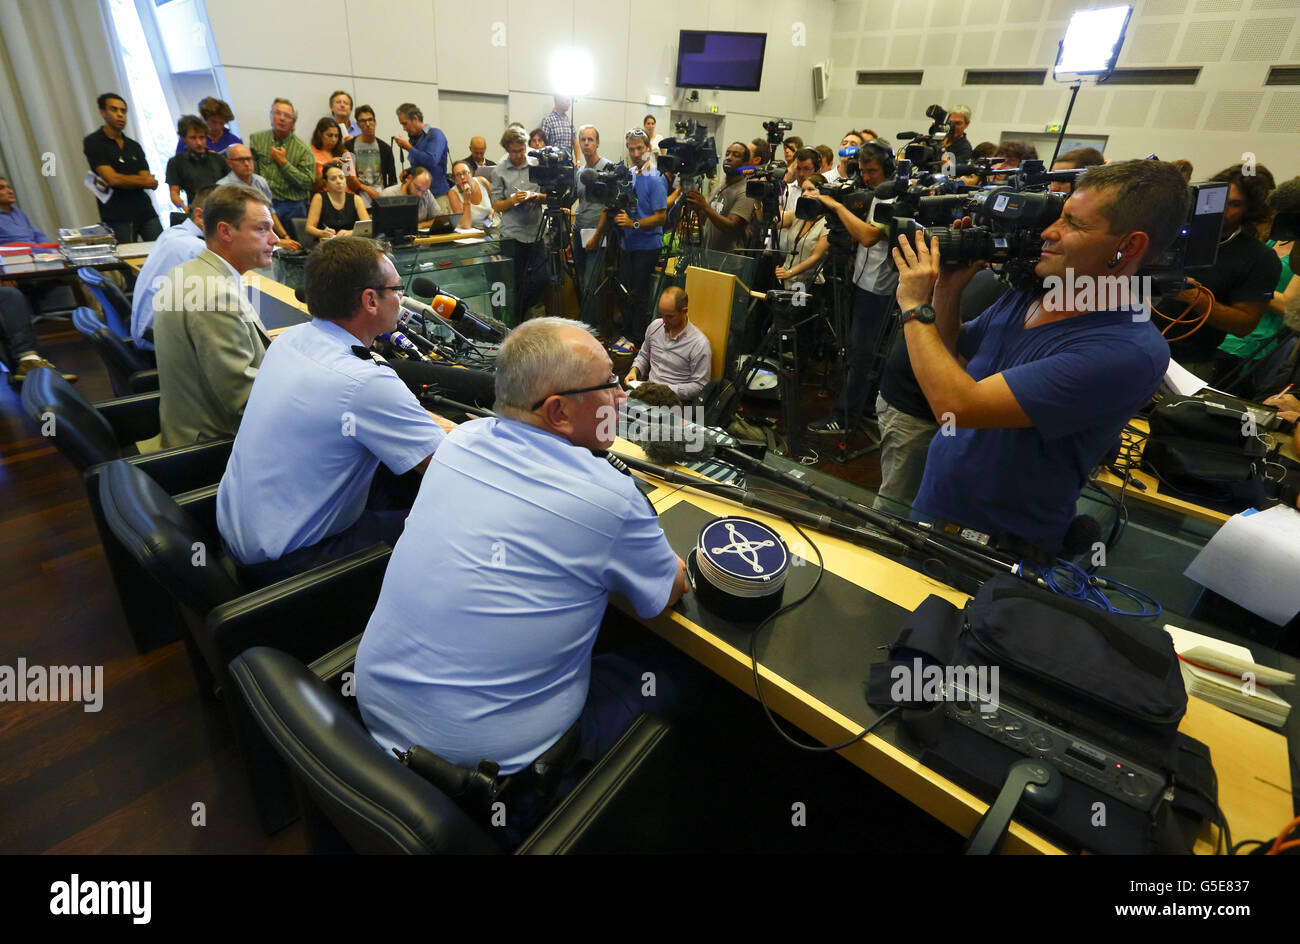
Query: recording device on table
column 1095, row 715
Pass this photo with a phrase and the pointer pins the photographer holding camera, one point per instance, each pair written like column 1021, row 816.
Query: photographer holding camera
column 641, row 232
column 1033, row 393
column 871, row 296
column 729, row 212
column 587, row 216
column 520, row 209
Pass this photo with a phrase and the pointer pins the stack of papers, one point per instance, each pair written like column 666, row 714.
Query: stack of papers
column 17, row 259
column 1228, row 676
column 88, row 245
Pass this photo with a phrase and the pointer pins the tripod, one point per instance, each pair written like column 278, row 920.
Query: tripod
column 609, row 290
column 780, row 345
column 553, row 237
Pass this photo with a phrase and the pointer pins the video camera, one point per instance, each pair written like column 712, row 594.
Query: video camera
column 849, row 192
column 926, row 149
column 613, row 187
column 553, row 174
column 776, row 129
column 1008, row 220
column 767, row 181
column 691, row 154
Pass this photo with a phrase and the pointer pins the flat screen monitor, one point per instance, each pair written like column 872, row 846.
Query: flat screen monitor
column 708, row 59
column 396, row 218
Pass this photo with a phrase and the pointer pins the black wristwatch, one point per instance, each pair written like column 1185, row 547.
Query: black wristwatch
column 922, row 313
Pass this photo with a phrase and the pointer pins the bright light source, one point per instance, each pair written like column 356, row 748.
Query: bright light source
column 572, row 73
column 1092, row 42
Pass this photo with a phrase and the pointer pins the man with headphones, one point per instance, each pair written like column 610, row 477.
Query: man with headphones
column 872, row 296
column 1033, row 393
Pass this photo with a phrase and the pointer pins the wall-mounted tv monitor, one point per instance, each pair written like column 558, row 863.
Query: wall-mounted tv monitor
column 708, row 59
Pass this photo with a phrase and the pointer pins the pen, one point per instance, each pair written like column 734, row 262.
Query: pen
column 1285, row 389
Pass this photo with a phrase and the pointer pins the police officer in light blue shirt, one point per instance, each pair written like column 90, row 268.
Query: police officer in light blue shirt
column 480, row 644
column 176, row 246
column 321, row 417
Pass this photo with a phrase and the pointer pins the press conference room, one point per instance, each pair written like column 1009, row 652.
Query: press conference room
column 834, row 426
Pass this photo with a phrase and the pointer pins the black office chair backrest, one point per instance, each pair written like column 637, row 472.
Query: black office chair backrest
column 120, row 356
column 72, row 423
column 375, row 804
column 174, row 549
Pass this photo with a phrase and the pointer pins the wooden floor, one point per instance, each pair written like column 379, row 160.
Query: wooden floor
column 127, row 778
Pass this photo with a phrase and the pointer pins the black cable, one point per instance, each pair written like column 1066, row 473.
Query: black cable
column 753, row 664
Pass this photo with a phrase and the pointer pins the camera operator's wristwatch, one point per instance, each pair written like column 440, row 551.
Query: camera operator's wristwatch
column 922, row 313
column 636, row 224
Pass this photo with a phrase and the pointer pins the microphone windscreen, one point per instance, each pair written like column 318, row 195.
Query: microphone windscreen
column 587, row 176
column 423, row 286
column 849, row 151
column 1082, row 536
column 444, row 306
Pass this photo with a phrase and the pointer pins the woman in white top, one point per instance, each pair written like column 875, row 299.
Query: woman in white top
column 470, row 198
column 804, row 242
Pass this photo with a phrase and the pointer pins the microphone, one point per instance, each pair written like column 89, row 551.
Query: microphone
column 1082, row 536
column 404, row 344
column 587, row 177
column 448, row 306
column 849, row 151
column 908, row 135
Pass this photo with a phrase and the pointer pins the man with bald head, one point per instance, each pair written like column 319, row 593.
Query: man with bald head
column 480, row 643
column 478, row 158
column 239, row 158
column 675, row 353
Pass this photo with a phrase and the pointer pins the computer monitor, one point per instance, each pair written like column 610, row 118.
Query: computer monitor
column 396, row 218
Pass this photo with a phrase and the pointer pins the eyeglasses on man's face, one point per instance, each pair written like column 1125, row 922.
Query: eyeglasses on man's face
column 612, row 382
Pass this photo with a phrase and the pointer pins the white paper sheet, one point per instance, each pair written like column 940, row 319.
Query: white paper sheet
column 1180, row 380
column 1254, row 561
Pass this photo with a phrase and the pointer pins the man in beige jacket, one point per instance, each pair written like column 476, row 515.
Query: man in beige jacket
column 209, row 339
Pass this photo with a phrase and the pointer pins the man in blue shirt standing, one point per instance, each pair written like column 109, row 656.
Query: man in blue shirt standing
column 641, row 232
column 480, row 645
column 1033, row 393
column 426, row 147
column 176, row 246
column 321, row 417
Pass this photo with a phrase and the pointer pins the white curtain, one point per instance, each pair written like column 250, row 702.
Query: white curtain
column 55, row 59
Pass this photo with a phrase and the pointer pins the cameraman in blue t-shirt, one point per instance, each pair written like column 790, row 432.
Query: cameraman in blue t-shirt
column 1033, row 393
column 642, row 233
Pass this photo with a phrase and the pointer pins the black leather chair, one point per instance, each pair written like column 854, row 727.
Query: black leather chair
column 91, row 434
column 307, row 615
column 356, row 797
column 128, row 371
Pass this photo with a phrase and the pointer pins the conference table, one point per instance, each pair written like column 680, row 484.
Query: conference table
column 813, row 668
column 812, row 665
